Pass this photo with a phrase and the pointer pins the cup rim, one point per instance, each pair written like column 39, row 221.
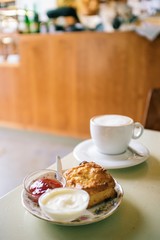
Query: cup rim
column 110, row 126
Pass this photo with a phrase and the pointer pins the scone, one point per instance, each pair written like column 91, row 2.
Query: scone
column 92, row 178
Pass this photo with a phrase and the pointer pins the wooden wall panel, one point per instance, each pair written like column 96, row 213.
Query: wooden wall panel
column 9, row 93
column 65, row 79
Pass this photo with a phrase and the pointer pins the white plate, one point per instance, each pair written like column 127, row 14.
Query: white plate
column 94, row 214
column 86, row 151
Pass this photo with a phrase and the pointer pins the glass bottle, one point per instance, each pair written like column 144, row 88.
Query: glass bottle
column 26, row 22
column 34, row 21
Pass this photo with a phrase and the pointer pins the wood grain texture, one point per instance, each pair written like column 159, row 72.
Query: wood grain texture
column 152, row 113
column 65, row 79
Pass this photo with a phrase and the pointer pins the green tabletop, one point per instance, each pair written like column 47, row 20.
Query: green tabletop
column 138, row 216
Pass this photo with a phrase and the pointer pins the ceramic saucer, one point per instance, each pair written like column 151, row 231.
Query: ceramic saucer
column 87, row 151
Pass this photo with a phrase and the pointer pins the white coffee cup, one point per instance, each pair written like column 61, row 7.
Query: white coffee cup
column 111, row 134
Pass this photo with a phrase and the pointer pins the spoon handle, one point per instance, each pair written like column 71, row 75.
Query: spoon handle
column 59, row 167
column 135, row 151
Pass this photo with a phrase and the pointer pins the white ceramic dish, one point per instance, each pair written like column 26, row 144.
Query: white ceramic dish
column 64, row 204
column 86, row 151
column 95, row 214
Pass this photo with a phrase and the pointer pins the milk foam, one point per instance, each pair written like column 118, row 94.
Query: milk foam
column 112, row 120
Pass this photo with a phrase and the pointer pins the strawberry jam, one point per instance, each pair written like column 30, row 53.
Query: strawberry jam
column 40, row 186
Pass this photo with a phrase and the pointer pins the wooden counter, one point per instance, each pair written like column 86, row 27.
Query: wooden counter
column 65, row 79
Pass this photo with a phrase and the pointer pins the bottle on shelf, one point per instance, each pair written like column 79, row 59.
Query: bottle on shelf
column 26, row 22
column 51, row 26
column 23, row 21
column 43, row 27
column 34, row 21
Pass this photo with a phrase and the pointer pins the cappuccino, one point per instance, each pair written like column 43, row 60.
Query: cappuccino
column 112, row 120
column 111, row 134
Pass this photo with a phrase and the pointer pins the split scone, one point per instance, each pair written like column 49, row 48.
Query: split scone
column 92, row 178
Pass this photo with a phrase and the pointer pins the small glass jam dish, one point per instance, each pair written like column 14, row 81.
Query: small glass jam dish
column 42, row 181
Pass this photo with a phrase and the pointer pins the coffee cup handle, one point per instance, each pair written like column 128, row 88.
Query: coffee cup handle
column 138, row 130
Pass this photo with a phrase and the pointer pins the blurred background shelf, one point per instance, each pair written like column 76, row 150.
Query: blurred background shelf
column 7, row 3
